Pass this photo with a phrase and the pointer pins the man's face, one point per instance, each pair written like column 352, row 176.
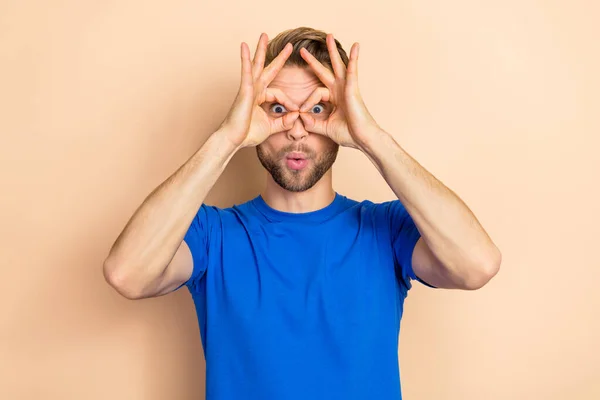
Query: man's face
column 296, row 159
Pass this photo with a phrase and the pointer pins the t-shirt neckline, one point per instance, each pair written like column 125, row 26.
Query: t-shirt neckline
column 319, row 215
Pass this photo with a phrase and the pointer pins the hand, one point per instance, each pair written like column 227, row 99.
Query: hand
column 247, row 124
column 350, row 123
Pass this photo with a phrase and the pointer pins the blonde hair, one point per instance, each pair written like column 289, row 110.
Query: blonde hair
column 315, row 41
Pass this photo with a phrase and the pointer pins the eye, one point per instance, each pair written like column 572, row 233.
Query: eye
column 318, row 109
column 278, row 108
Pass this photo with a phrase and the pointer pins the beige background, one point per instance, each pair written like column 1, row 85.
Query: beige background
column 100, row 101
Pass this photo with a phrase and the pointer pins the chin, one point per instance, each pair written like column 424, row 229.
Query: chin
column 295, row 180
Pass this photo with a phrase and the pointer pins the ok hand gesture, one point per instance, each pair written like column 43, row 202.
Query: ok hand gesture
column 350, row 124
column 247, row 124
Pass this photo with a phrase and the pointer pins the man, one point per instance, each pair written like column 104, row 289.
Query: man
column 299, row 292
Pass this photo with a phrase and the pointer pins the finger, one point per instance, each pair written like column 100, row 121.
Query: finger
column 259, row 57
column 322, row 72
column 246, row 67
column 276, row 95
column 284, row 123
column 318, row 95
column 336, row 60
column 275, row 66
column 352, row 72
column 313, row 125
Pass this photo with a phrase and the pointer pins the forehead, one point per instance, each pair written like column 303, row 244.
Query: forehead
column 296, row 82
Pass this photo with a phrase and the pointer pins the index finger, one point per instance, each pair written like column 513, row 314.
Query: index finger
column 276, row 95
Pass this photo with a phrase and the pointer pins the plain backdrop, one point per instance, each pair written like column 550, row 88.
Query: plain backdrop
column 100, row 101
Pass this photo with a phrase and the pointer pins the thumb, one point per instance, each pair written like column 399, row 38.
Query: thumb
column 284, row 123
column 312, row 125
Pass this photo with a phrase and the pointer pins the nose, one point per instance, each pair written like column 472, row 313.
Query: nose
column 297, row 132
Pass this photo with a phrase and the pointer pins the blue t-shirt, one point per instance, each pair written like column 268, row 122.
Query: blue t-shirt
column 301, row 305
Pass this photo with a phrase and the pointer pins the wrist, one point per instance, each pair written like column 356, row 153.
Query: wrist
column 222, row 145
column 374, row 140
column 229, row 139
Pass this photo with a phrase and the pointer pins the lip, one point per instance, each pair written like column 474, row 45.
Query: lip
column 296, row 156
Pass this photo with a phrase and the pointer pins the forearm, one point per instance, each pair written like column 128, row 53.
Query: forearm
column 153, row 234
column 447, row 225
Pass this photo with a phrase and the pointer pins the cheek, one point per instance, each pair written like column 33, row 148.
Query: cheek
column 274, row 143
column 322, row 143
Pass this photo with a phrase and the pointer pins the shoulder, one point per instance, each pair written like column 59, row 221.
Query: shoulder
column 383, row 209
column 228, row 214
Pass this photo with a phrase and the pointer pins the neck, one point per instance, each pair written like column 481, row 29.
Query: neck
column 317, row 197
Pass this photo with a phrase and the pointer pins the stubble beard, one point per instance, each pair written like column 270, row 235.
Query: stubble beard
column 300, row 180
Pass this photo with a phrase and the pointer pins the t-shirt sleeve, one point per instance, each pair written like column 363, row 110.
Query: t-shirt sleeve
column 404, row 236
column 201, row 234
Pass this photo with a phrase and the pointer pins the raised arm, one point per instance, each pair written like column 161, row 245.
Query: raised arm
column 454, row 250
column 143, row 261
column 149, row 258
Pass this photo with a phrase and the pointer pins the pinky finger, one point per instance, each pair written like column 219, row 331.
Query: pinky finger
column 352, row 71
